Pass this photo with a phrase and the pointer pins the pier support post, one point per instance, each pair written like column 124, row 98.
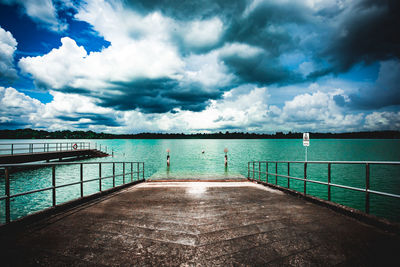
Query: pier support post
column 53, row 184
column 81, row 175
column 367, row 188
column 288, row 174
column 123, row 172
column 138, row 172
column 100, row 177
column 113, row 174
column 305, row 178
column 7, row 181
column 253, row 169
column 329, row 182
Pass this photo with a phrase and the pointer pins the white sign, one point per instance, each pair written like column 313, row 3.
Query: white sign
column 306, row 139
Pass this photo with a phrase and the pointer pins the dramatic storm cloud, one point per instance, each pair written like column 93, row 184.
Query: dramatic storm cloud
column 244, row 65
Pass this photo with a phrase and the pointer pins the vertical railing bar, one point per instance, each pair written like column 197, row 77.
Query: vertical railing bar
column 100, row 177
column 288, row 174
column 12, row 149
column 259, row 170
column 367, row 188
column 7, row 181
column 81, row 172
column 276, row 173
column 329, row 182
column 123, row 173
column 253, row 169
column 305, row 178
column 248, row 170
column 131, row 172
column 266, row 171
column 143, row 170
column 53, row 184
column 113, row 174
column 138, row 171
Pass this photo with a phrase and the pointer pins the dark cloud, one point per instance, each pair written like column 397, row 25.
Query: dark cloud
column 260, row 69
column 385, row 92
column 369, row 32
column 12, row 125
column 96, row 119
column 159, row 95
column 189, row 10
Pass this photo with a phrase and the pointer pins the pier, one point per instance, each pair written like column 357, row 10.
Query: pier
column 33, row 152
column 127, row 220
column 198, row 224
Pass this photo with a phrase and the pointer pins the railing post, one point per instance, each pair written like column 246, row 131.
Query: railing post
column 12, row 149
column 266, row 171
column 81, row 179
column 131, row 172
column 288, row 174
column 305, row 177
column 44, row 147
column 113, row 174
column 123, row 173
column 7, row 177
column 100, row 177
column 259, row 170
column 253, row 169
column 367, row 188
column 276, row 173
column 143, row 171
column 53, row 184
column 329, row 182
column 248, row 170
column 138, row 172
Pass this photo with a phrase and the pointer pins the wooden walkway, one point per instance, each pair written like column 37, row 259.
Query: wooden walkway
column 58, row 155
column 199, row 224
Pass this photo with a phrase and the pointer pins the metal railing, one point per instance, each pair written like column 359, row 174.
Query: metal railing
column 18, row 148
column 134, row 170
column 257, row 168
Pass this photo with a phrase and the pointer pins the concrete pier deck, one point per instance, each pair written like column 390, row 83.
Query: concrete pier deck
column 199, row 224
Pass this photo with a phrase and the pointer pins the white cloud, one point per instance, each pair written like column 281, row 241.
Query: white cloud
column 42, row 11
column 8, row 45
column 383, row 120
column 17, row 109
column 244, row 108
column 202, row 33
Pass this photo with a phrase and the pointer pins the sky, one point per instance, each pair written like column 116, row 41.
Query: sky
column 131, row 66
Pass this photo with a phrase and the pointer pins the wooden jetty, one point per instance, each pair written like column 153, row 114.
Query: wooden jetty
column 52, row 155
column 11, row 153
column 198, row 224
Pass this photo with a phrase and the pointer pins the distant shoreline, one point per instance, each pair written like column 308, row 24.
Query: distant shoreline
column 41, row 134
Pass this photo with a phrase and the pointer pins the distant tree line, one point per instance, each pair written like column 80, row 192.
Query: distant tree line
column 41, row 134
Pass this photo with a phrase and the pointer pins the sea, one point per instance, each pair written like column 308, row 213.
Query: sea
column 204, row 159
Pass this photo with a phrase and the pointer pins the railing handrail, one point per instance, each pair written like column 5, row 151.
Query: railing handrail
column 42, row 143
column 252, row 169
column 7, row 196
column 64, row 163
column 332, row 162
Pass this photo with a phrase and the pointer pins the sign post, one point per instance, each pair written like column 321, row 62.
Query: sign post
column 306, row 141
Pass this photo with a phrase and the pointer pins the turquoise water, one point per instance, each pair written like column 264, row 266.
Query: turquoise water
column 187, row 161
